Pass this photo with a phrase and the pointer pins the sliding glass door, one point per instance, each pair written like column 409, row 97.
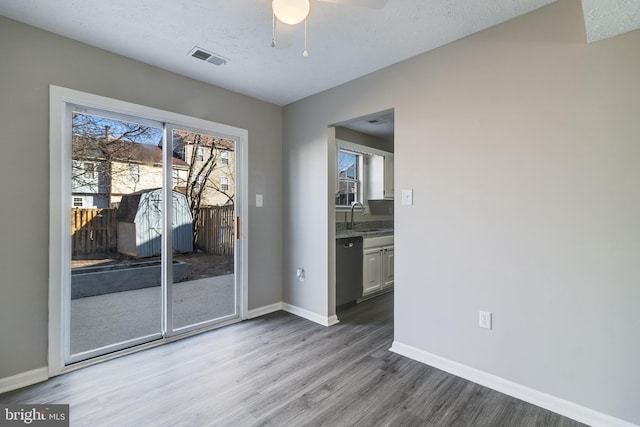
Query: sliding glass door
column 203, row 287
column 153, row 232
column 116, row 232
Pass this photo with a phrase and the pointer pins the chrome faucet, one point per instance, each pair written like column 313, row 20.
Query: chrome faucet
column 353, row 205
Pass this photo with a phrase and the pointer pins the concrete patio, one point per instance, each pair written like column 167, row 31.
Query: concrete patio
column 102, row 320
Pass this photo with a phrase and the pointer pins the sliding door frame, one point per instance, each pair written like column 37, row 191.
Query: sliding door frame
column 168, row 300
column 61, row 102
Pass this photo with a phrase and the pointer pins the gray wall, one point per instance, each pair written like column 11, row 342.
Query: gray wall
column 521, row 146
column 32, row 60
column 363, row 139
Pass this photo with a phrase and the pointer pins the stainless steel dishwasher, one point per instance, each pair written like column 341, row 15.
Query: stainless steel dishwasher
column 348, row 269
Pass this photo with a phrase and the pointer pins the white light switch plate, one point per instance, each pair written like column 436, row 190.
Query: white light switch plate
column 259, row 200
column 407, row 197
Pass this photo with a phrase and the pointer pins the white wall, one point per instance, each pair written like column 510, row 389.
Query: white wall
column 521, row 146
column 32, row 60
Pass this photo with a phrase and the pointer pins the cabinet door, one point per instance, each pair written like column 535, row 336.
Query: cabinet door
column 387, row 266
column 371, row 270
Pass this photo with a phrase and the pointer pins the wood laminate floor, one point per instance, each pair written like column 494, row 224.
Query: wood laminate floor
column 281, row 370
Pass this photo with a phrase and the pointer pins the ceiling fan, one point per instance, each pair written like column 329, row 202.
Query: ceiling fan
column 293, row 12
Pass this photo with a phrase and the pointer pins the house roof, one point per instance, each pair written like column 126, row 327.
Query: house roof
column 121, row 151
column 180, row 138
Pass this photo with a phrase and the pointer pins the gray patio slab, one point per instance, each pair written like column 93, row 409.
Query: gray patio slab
column 103, row 320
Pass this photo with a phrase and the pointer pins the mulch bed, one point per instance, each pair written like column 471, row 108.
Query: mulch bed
column 201, row 264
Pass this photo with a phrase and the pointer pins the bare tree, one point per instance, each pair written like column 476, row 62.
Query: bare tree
column 203, row 154
column 105, row 151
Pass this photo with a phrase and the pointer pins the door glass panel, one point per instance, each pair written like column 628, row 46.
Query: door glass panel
column 116, row 223
column 203, row 214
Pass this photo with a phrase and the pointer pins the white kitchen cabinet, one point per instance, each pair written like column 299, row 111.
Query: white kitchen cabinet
column 377, row 264
column 371, row 272
column 387, row 266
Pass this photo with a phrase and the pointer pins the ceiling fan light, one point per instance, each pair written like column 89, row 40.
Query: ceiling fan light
column 290, row 11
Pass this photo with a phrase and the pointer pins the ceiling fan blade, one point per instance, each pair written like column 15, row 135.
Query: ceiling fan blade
column 371, row 4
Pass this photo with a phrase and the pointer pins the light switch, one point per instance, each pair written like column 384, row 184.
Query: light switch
column 258, row 200
column 407, row 197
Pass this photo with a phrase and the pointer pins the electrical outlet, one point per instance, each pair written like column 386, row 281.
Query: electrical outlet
column 300, row 274
column 484, row 319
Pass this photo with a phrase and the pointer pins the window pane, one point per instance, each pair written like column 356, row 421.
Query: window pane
column 116, row 224
column 347, row 165
column 347, row 192
column 206, row 289
column 348, row 178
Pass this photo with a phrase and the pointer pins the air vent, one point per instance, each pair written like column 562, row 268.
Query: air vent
column 201, row 54
column 216, row 60
column 207, row 56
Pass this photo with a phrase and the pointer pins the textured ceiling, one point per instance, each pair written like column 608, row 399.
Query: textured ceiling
column 345, row 41
column 608, row 18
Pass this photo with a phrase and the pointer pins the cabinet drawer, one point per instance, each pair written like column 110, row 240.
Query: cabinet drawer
column 372, row 242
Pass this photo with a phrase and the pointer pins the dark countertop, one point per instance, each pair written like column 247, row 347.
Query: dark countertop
column 364, row 233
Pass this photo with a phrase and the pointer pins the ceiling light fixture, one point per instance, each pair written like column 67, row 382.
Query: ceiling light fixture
column 290, row 12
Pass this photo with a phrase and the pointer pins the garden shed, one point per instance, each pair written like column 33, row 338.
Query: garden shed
column 140, row 224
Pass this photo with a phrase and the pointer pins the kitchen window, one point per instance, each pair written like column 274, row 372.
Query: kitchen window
column 363, row 173
column 349, row 178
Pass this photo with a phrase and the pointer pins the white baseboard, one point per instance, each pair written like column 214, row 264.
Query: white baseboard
column 261, row 311
column 23, row 379
column 309, row 315
column 535, row 397
column 332, row 320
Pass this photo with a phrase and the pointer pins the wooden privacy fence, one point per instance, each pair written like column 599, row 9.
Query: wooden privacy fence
column 95, row 231
column 215, row 230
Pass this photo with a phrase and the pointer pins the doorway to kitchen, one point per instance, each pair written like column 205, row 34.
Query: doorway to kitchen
column 362, row 168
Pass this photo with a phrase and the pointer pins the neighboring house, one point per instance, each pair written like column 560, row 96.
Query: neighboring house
column 104, row 171
column 211, row 168
column 89, row 185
